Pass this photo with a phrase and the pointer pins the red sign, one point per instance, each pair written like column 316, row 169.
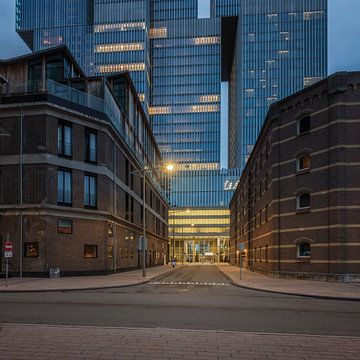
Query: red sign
column 8, row 246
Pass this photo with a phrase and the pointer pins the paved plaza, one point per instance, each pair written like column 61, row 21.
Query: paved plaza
column 20, row 342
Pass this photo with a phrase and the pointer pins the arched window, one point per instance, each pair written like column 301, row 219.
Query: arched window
column 303, row 250
column 303, row 201
column 303, row 162
column 303, row 125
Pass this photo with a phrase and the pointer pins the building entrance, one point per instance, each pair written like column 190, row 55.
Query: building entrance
column 201, row 251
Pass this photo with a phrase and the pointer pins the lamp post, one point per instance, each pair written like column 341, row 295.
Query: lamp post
column 142, row 174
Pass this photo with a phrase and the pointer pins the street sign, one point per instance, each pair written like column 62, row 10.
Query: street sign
column 241, row 246
column 142, row 243
column 8, row 254
column 8, row 246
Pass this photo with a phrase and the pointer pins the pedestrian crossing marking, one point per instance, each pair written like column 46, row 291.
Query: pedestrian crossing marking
column 188, row 283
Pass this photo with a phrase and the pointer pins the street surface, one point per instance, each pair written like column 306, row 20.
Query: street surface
column 195, row 297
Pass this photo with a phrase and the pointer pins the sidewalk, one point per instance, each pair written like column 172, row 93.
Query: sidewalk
column 320, row 289
column 128, row 278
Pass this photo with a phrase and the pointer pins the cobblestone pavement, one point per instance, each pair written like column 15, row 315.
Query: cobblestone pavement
column 42, row 342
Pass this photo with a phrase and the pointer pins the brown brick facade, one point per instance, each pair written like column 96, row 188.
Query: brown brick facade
column 77, row 237
column 296, row 210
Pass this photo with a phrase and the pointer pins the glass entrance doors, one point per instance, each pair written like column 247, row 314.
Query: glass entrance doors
column 201, row 251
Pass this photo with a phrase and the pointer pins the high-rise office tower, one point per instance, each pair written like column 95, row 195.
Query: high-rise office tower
column 206, row 72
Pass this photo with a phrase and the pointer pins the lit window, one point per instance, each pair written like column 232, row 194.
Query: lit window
column 119, row 47
column 210, row 98
column 64, row 226
column 119, row 27
column 303, row 162
column 304, row 250
column 110, row 251
column 206, row 40
column 159, row 110
column 283, row 52
column 312, row 15
column 90, row 251
column 249, row 92
column 303, row 201
column 121, row 67
column 303, row 125
column 31, row 250
column 158, row 33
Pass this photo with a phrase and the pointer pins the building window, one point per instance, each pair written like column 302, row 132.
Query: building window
column 31, row 250
column 304, row 250
column 64, row 226
column 303, row 162
column 255, row 253
column 110, row 251
column 260, row 254
column 90, row 193
column 90, row 251
column 91, row 146
column 64, row 139
column 303, row 201
column 304, row 125
column 64, row 187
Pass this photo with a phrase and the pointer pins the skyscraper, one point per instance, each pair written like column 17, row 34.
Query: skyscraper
column 193, row 62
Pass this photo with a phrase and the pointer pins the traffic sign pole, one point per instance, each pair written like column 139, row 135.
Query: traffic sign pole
column 7, row 273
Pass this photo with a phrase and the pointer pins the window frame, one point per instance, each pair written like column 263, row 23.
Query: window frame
column 88, row 157
column 65, row 203
column 298, row 199
column 90, row 205
column 96, row 251
column 298, row 125
column 64, row 232
column 61, row 142
column 298, row 161
column 298, row 247
column 32, row 243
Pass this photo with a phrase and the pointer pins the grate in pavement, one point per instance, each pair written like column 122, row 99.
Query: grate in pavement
column 196, row 283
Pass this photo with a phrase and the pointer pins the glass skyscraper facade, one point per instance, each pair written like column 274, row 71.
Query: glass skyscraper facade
column 180, row 53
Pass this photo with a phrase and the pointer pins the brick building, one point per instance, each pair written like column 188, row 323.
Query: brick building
column 296, row 210
column 69, row 152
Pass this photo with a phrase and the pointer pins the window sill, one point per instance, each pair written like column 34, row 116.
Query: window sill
column 305, row 259
column 90, row 207
column 303, row 133
column 302, row 171
column 303, row 210
column 64, row 204
column 65, row 156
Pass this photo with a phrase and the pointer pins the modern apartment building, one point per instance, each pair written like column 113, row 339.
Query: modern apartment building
column 206, row 72
column 296, row 210
column 70, row 150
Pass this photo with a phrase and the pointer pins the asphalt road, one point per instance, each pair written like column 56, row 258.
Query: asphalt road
column 193, row 297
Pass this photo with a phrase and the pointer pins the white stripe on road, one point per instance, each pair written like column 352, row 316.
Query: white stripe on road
column 187, row 283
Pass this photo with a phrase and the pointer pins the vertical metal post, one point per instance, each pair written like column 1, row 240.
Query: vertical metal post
column 114, row 210
column 240, row 266
column 7, row 268
column 21, row 195
column 144, row 227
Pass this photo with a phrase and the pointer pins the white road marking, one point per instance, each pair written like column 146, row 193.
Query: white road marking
column 187, row 283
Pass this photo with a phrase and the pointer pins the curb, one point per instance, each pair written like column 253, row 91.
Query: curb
column 326, row 297
column 143, row 282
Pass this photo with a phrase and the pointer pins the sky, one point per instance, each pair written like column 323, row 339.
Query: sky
column 344, row 34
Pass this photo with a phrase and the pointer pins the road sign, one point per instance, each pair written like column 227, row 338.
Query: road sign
column 8, row 254
column 8, row 246
column 241, row 246
column 142, row 243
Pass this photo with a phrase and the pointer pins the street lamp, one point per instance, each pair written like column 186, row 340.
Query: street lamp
column 142, row 174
